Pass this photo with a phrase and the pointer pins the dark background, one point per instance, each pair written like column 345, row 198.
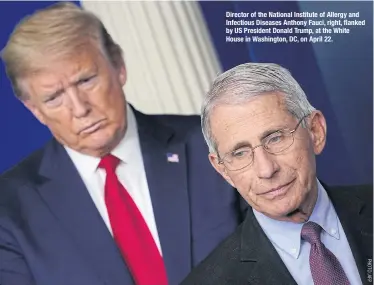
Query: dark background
column 337, row 78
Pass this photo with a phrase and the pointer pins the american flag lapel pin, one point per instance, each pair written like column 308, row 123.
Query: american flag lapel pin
column 172, row 157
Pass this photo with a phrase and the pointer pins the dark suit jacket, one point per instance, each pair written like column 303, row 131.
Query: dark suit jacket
column 52, row 234
column 248, row 256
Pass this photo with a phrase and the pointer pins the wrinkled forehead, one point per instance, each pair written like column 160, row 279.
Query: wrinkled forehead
column 44, row 57
column 58, row 71
column 249, row 121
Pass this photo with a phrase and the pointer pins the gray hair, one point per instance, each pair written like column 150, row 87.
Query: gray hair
column 239, row 84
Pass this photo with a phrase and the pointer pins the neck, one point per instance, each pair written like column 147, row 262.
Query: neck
column 303, row 213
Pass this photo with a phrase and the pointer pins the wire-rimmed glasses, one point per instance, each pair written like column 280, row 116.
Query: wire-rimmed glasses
column 274, row 143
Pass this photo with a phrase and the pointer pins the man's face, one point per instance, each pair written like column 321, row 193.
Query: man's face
column 275, row 185
column 80, row 100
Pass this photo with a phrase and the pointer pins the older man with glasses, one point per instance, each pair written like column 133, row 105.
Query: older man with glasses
column 263, row 136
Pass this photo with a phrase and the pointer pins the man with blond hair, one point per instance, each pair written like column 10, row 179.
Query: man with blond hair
column 263, row 136
column 116, row 197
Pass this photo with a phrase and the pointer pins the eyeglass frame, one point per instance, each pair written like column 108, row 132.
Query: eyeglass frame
column 291, row 133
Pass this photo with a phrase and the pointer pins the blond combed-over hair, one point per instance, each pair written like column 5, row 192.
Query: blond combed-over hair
column 56, row 32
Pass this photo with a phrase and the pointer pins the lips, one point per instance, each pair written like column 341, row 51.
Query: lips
column 277, row 191
column 91, row 128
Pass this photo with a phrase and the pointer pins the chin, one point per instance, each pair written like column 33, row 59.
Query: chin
column 104, row 135
column 102, row 141
column 283, row 210
column 99, row 144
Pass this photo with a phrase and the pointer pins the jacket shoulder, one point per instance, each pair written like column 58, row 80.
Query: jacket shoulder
column 363, row 192
column 220, row 265
column 180, row 122
column 13, row 179
column 185, row 128
column 25, row 168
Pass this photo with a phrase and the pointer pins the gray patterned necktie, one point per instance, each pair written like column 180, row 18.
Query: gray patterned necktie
column 325, row 267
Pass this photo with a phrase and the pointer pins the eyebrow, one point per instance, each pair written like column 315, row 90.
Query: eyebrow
column 84, row 73
column 269, row 132
column 87, row 71
column 241, row 144
column 51, row 95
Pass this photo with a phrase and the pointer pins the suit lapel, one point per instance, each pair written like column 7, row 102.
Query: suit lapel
column 68, row 199
column 266, row 267
column 264, row 263
column 356, row 219
column 167, row 182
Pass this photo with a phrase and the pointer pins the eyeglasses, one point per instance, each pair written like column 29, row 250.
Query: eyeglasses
column 274, row 143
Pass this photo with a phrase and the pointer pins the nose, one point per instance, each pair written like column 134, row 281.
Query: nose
column 264, row 163
column 79, row 105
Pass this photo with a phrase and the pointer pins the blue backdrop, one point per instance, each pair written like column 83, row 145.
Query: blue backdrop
column 20, row 132
column 338, row 79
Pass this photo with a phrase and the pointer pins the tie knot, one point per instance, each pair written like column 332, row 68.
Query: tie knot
column 311, row 232
column 109, row 163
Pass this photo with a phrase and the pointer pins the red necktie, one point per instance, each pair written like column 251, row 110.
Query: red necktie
column 130, row 230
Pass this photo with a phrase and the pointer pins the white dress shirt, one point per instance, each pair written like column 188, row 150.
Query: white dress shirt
column 130, row 172
column 286, row 238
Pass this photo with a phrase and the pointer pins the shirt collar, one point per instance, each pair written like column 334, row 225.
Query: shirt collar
column 87, row 165
column 324, row 213
column 287, row 235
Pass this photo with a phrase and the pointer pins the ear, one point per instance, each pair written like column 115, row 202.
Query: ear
column 34, row 110
column 220, row 168
column 318, row 131
column 122, row 73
